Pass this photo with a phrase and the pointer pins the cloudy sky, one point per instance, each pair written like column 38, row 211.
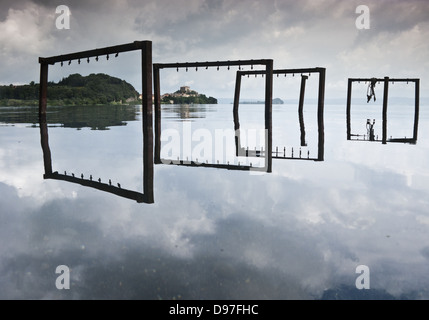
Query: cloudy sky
column 293, row 33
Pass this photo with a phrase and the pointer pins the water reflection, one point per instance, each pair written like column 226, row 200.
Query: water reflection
column 185, row 112
column 146, row 196
column 370, row 123
column 242, row 153
column 320, row 116
column 371, row 136
column 210, row 138
column 96, row 117
column 297, row 233
column 285, row 153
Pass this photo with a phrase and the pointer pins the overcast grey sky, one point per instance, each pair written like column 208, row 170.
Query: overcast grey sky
column 293, row 33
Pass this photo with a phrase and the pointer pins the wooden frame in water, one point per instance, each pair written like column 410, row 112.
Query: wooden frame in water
column 146, row 57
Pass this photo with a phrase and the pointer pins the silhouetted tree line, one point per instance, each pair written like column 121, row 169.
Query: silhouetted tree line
column 73, row 90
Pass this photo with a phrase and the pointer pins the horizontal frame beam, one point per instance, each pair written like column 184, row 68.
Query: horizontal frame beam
column 383, row 79
column 283, row 71
column 129, row 194
column 207, row 64
column 212, row 165
column 136, row 45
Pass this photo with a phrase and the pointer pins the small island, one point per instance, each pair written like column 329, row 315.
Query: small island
column 186, row 96
column 275, row 101
column 94, row 89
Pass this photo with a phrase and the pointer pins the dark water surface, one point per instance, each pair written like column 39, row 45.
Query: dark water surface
column 298, row 232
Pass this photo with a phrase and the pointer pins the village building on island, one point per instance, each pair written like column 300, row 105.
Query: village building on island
column 186, row 96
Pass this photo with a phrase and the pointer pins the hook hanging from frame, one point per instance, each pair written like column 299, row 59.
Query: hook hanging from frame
column 370, row 92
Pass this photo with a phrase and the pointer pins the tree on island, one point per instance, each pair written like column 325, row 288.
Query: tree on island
column 73, row 90
column 187, row 96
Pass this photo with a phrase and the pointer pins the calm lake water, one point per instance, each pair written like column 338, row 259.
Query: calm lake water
column 298, row 232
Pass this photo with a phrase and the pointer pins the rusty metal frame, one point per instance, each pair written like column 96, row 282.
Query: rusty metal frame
column 320, row 110
column 146, row 55
column 268, row 63
column 386, row 81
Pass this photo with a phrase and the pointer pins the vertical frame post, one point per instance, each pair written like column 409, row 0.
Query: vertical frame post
column 43, row 88
column 320, row 112
column 44, row 140
column 384, row 116
column 349, row 103
column 237, row 100
column 43, row 101
column 268, row 114
column 301, row 109
column 147, row 121
column 157, row 105
column 416, row 109
column 235, row 113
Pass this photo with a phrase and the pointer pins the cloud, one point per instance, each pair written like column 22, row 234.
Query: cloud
column 25, row 31
column 306, row 33
column 288, row 234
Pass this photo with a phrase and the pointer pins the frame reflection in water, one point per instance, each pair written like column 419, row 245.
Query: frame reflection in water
column 268, row 63
column 146, row 72
column 283, row 153
column 145, row 197
column 370, row 134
